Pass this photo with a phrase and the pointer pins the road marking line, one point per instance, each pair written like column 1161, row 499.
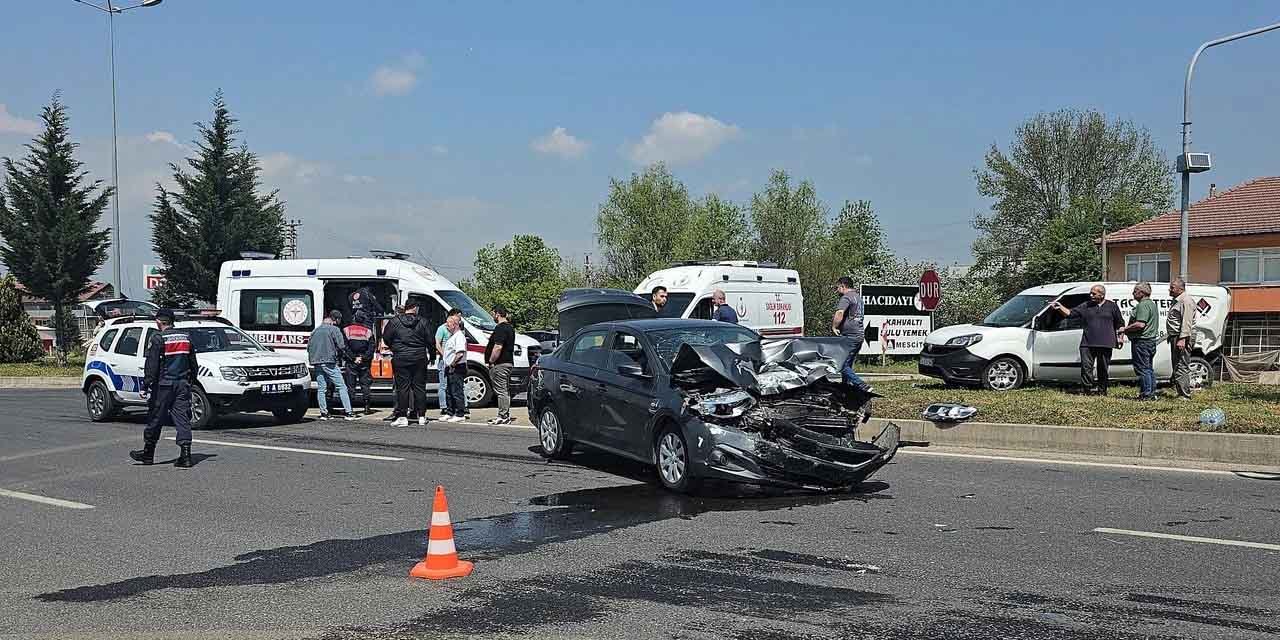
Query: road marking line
column 73, row 447
column 485, row 424
column 1078, row 463
column 43, row 500
column 319, row 452
column 1171, row 536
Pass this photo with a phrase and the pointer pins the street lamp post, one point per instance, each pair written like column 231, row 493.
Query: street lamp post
column 111, row 11
column 1185, row 165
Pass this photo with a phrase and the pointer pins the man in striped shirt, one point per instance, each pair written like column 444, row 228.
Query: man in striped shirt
column 170, row 371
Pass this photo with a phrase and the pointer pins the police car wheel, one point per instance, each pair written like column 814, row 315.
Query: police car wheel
column 293, row 414
column 202, row 411
column 98, row 401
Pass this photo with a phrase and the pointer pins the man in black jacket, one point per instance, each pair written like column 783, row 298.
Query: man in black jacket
column 170, row 371
column 412, row 342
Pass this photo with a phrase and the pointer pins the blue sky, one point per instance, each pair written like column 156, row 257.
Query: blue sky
column 439, row 127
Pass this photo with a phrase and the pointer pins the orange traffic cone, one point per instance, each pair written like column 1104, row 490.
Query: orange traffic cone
column 442, row 557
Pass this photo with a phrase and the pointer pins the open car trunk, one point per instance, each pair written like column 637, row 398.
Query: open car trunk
column 579, row 308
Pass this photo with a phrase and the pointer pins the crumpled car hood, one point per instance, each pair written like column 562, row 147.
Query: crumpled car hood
column 761, row 370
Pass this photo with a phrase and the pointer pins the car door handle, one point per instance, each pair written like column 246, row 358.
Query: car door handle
column 602, row 387
column 654, row 406
column 565, row 387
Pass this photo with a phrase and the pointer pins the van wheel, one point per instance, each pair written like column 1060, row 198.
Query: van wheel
column 98, row 401
column 1003, row 374
column 1201, row 372
column 476, row 387
column 202, row 411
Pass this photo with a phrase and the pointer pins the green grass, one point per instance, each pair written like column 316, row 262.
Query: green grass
column 40, row 369
column 871, row 364
column 1249, row 408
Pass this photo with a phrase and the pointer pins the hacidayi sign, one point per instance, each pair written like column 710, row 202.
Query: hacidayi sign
column 896, row 321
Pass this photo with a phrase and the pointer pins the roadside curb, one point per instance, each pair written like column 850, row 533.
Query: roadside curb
column 20, row 382
column 1229, row 448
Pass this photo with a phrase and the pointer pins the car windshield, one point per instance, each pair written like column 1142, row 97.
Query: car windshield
column 473, row 313
column 1018, row 311
column 676, row 304
column 668, row 341
column 213, row 339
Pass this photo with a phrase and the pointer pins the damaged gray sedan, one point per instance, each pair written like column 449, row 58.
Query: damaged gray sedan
column 706, row 400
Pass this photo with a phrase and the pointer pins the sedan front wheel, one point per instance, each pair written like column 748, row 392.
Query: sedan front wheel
column 672, row 455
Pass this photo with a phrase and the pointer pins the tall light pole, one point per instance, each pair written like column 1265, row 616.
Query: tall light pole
column 1186, row 164
column 111, row 11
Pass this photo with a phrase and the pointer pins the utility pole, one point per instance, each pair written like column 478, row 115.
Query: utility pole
column 291, row 239
column 1184, row 166
column 1106, row 271
column 586, row 268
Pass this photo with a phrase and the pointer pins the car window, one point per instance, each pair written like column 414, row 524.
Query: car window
column 589, row 350
column 128, row 345
column 276, row 311
column 626, row 350
column 107, row 338
column 1054, row 321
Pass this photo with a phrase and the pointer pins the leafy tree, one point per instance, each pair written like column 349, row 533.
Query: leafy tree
column 525, row 275
column 19, row 339
column 1068, row 251
column 1056, row 161
column 790, row 223
column 966, row 298
column 49, row 216
column 714, row 230
column 856, row 247
column 637, row 222
column 215, row 214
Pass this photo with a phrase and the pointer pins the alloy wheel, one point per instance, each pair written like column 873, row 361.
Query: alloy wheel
column 671, row 458
column 97, row 401
column 1199, row 374
column 197, row 408
column 549, row 431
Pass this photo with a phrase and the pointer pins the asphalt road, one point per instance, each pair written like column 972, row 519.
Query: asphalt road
column 269, row 543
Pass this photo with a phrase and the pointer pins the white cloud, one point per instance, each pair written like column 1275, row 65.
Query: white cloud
column 682, row 137
column 283, row 165
column 440, row 150
column 162, row 136
column 560, row 143
column 10, row 123
column 354, row 179
column 399, row 78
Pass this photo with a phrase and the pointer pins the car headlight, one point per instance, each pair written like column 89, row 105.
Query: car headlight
column 965, row 341
column 234, row 374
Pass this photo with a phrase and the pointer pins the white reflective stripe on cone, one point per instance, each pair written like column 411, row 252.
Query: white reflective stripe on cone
column 440, row 547
column 439, row 518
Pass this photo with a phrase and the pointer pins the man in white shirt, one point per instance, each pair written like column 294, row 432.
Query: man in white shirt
column 455, row 361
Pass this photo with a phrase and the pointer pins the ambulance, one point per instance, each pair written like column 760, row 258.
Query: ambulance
column 767, row 298
column 280, row 302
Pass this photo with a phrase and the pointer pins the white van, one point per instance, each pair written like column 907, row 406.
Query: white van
column 279, row 303
column 1024, row 340
column 766, row 298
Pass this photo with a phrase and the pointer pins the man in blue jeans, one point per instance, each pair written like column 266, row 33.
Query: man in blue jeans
column 1144, row 332
column 326, row 350
column 847, row 323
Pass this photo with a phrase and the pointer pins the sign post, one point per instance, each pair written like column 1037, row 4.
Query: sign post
column 930, row 290
column 896, row 321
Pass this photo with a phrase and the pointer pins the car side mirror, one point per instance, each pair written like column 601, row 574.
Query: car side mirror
column 633, row 371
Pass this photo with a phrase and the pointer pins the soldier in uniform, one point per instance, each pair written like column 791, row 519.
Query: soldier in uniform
column 170, row 371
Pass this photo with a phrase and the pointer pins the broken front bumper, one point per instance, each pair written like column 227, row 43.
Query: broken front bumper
column 793, row 457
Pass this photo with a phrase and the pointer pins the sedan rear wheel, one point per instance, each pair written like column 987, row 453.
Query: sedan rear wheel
column 672, row 455
column 551, row 436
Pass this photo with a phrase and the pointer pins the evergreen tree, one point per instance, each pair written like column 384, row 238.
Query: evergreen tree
column 215, row 214
column 49, row 214
column 19, row 340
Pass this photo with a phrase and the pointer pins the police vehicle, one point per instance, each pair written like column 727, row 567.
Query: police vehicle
column 237, row 373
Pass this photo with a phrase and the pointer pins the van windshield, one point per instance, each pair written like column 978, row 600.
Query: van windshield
column 473, row 313
column 1018, row 311
column 676, row 304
